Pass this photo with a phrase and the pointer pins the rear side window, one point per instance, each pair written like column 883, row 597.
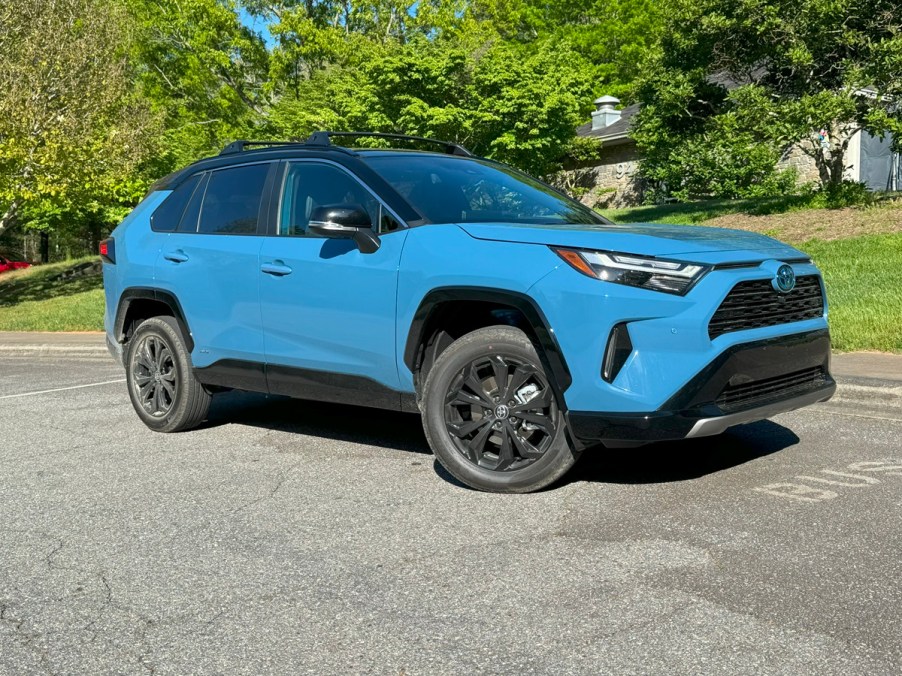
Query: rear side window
column 166, row 217
column 232, row 200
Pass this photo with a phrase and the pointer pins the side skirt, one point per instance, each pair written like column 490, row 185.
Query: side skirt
column 302, row 383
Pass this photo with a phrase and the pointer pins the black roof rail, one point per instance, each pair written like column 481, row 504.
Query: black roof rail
column 241, row 146
column 323, row 139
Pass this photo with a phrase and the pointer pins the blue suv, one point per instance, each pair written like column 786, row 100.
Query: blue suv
column 522, row 326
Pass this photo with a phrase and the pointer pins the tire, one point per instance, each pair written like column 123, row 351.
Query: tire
column 513, row 444
column 161, row 382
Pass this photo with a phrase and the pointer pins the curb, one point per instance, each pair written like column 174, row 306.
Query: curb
column 53, row 350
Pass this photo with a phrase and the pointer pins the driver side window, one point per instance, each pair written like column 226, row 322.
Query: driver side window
column 309, row 185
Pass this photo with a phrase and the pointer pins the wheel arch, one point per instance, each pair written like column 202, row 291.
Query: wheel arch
column 468, row 308
column 139, row 303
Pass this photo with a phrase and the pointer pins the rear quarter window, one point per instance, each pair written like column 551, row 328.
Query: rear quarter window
column 167, row 216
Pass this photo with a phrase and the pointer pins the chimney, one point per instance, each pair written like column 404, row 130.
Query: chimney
column 604, row 114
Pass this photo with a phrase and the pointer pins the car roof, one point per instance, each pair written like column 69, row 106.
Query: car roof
column 336, row 153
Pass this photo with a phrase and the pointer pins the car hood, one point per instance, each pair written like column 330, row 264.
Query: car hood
column 702, row 244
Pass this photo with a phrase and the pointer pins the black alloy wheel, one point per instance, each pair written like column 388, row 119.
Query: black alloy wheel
column 162, row 384
column 493, row 416
column 501, row 413
column 155, row 376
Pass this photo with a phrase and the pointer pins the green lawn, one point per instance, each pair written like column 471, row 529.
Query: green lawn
column 41, row 299
column 864, row 290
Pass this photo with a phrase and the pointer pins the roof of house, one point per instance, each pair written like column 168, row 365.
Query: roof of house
column 619, row 130
column 616, row 130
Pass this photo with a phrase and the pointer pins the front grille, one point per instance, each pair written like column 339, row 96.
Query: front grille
column 757, row 392
column 754, row 304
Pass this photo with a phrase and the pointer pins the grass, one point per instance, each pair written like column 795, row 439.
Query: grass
column 42, row 299
column 864, row 289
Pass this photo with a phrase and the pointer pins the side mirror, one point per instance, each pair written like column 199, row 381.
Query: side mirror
column 345, row 221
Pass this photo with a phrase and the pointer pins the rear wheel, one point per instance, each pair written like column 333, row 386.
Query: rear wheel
column 491, row 416
column 161, row 383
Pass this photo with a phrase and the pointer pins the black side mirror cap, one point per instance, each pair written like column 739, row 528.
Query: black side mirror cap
column 345, row 221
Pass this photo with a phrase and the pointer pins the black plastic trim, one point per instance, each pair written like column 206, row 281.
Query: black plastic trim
column 550, row 351
column 301, row 383
column 234, row 373
column 147, row 293
column 696, row 400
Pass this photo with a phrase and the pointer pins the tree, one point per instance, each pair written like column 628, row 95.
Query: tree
column 204, row 73
column 794, row 72
column 612, row 36
column 69, row 124
column 515, row 104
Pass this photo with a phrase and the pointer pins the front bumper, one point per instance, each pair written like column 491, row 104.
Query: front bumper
column 748, row 382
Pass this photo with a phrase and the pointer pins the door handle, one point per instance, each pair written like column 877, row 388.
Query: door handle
column 276, row 268
column 178, row 256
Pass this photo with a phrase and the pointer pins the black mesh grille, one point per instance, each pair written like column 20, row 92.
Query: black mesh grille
column 753, row 304
column 748, row 395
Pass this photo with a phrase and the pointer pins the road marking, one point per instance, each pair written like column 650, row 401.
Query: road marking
column 801, row 492
column 61, row 389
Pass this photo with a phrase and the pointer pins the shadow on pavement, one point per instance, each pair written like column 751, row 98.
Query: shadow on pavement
column 682, row 460
column 400, row 431
column 655, row 463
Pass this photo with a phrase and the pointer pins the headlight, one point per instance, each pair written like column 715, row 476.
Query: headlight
column 642, row 271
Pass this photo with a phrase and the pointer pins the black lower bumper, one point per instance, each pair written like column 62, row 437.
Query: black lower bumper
column 747, row 382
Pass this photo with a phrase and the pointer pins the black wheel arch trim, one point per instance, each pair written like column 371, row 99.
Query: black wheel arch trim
column 135, row 293
column 549, row 350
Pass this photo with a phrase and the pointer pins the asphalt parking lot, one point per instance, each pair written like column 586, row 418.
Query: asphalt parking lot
column 291, row 537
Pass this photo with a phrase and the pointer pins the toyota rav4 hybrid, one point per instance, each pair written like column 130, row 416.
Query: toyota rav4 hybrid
column 522, row 326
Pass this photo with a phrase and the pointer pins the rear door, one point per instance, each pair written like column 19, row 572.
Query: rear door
column 329, row 310
column 211, row 264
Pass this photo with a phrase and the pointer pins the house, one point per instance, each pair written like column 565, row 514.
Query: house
column 612, row 181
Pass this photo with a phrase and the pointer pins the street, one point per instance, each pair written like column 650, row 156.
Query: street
column 293, row 537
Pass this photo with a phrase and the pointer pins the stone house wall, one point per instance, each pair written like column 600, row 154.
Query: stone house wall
column 612, row 182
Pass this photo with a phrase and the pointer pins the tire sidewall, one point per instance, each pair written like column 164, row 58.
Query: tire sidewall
column 165, row 329
column 484, row 342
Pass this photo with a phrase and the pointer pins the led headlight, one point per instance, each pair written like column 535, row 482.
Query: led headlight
column 641, row 271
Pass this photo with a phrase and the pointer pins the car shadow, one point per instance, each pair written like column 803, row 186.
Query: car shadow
column 684, row 460
column 655, row 463
column 340, row 422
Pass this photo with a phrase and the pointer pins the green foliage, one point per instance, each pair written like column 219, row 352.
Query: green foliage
column 843, row 194
column 738, row 81
column 70, row 124
column 203, row 71
column 614, row 37
column 499, row 99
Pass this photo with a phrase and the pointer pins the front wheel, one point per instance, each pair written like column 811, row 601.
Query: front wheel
column 491, row 416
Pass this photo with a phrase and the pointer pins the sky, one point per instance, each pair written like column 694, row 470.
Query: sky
column 257, row 25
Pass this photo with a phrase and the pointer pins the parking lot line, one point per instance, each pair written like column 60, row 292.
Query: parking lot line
column 61, row 389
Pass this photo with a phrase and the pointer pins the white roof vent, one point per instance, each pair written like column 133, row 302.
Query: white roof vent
column 605, row 114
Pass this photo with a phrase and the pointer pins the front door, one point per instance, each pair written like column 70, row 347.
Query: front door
column 328, row 310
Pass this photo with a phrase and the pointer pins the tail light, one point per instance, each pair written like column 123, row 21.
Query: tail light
column 108, row 250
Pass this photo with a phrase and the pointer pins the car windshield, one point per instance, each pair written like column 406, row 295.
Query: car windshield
column 448, row 189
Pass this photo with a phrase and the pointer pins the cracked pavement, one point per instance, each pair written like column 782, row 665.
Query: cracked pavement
column 294, row 537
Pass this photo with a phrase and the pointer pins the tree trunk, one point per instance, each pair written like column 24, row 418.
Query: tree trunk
column 10, row 216
column 831, row 164
column 45, row 247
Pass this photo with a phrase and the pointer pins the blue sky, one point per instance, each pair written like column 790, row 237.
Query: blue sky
column 257, row 25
